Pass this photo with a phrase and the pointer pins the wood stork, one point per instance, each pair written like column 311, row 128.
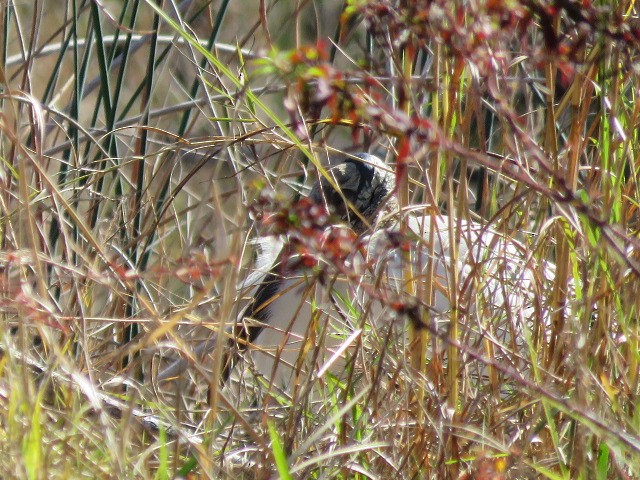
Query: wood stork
column 306, row 322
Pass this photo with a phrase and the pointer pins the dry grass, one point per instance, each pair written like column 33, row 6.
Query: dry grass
column 137, row 138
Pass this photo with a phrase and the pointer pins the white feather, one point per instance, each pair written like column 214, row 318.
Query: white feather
column 494, row 274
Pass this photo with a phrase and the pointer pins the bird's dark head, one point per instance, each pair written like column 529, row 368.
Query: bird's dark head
column 365, row 183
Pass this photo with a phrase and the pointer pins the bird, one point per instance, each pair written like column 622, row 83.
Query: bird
column 342, row 275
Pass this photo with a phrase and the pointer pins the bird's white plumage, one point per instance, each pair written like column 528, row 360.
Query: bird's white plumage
column 496, row 293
